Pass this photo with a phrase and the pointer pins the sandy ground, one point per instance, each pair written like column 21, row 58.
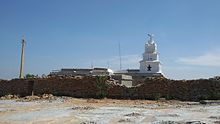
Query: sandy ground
column 107, row 111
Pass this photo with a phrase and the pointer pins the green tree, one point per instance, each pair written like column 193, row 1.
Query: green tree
column 28, row 76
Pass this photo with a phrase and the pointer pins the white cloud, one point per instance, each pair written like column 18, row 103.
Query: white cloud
column 207, row 59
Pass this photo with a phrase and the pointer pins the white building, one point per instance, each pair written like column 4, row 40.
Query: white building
column 150, row 62
column 82, row 72
column 150, row 65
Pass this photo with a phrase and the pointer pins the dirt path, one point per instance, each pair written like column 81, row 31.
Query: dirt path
column 106, row 111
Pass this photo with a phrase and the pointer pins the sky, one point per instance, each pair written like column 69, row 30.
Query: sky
column 81, row 33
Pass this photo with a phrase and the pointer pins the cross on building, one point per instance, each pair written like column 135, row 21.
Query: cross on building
column 149, row 68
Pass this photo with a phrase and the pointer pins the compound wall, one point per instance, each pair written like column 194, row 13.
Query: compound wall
column 96, row 87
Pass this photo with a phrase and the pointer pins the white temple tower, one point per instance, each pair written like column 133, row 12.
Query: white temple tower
column 150, row 62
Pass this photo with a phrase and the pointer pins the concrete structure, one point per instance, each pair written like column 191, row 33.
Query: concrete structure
column 82, row 72
column 122, row 79
column 102, row 72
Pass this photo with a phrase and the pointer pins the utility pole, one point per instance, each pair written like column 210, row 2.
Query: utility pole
column 22, row 58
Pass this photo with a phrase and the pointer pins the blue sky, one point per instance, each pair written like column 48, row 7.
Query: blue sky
column 76, row 33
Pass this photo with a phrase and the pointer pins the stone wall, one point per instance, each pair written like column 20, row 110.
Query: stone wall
column 179, row 89
column 85, row 87
column 96, row 87
column 16, row 87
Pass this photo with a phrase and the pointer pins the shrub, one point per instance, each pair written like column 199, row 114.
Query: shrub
column 102, row 86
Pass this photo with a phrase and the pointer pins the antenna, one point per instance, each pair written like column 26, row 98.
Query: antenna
column 23, row 42
column 119, row 50
column 91, row 65
column 107, row 64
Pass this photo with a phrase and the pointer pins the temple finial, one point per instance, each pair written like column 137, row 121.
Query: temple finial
column 151, row 38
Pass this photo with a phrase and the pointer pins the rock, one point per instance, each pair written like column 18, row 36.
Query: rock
column 169, row 122
column 214, row 117
column 133, row 114
column 48, row 96
column 195, row 122
column 9, row 97
column 28, row 98
column 162, row 99
column 216, row 122
column 210, row 102
column 88, row 122
column 173, row 122
column 169, row 115
column 125, row 120
column 92, row 101
column 82, row 108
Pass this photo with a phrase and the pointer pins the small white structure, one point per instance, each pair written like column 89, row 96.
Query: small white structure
column 150, row 62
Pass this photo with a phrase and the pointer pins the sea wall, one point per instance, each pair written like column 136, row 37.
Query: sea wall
column 99, row 87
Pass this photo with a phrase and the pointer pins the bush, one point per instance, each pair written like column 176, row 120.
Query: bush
column 29, row 76
column 102, row 86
